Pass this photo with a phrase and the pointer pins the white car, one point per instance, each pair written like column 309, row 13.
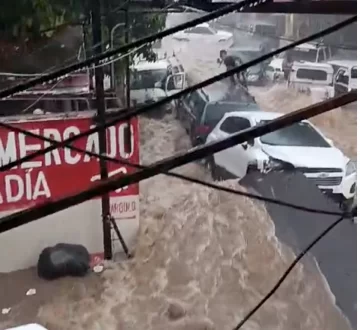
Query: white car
column 203, row 32
column 274, row 70
column 300, row 146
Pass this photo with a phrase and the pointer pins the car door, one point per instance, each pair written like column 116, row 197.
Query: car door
column 234, row 160
column 174, row 83
column 197, row 107
column 341, row 84
column 183, row 108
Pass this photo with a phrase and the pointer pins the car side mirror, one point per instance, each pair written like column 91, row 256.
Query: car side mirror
column 331, row 142
column 218, row 61
column 245, row 145
column 251, row 142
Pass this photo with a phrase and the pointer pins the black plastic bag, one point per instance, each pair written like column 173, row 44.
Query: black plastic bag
column 63, row 260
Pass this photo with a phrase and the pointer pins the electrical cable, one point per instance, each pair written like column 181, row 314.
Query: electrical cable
column 151, row 38
column 287, row 272
column 126, row 115
column 102, row 187
column 172, row 174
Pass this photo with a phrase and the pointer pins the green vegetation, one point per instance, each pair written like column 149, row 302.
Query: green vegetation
column 31, row 24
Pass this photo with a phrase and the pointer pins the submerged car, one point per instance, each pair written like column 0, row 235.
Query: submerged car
column 256, row 74
column 300, row 147
column 203, row 32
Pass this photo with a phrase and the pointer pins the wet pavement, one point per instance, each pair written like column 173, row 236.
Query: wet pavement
column 335, row 254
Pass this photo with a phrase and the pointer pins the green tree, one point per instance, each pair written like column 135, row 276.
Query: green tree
column 32, row 24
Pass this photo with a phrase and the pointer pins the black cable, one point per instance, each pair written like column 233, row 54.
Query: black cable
column 171, row 174
column 125, row 48
column 287, row 272
column 126, row 115
column 102, row 187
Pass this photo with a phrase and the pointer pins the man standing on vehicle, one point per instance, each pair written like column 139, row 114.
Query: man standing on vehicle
column 232, row 62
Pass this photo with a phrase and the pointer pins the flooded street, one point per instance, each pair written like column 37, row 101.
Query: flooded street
column 203, row 258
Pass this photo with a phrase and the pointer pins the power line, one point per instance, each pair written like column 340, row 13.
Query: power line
column 287, row 272
column 126, row 115
column 151, row 38
column 26, row 216
column 172, row 174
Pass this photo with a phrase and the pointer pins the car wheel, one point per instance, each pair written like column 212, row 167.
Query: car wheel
column 347, row 205
column 213, row 169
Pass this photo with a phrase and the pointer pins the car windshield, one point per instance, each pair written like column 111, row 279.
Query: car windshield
column 147, row 78
column 215, row 111
column 297, row 135
column 308, row 55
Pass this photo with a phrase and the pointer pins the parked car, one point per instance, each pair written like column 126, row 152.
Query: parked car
column 345, row 76
column 203, row 32
column 153, row 81
column 255, row 75
column 274, row 70
column 301, row 147
column 201, row 110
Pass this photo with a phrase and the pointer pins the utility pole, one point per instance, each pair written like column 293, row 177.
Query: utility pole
column 127, row 58
column 100, row 102
column 127, row 134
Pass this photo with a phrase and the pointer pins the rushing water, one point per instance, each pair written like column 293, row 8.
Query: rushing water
column 203, row 258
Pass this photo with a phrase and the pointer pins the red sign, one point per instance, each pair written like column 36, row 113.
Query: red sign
column 62, row 171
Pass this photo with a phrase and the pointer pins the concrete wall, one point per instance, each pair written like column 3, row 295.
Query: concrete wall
column 20, row 247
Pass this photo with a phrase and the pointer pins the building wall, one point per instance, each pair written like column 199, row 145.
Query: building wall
column 82, row 224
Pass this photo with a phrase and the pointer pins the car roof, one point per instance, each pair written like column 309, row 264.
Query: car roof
column 313, row 65
column 215, row 92
column 219, row 91
column 344, row 63
column 307, row 46
column 253, row 48
column 240, row 104
column 255, row 115
column 203, row 25
column 145, row 65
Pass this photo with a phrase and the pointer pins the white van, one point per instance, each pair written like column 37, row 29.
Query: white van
column 312, row 78
column 308, row 52
column 153, row 81
column 345, row 76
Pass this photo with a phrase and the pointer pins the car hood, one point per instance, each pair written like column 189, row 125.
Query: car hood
column 307, row 156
